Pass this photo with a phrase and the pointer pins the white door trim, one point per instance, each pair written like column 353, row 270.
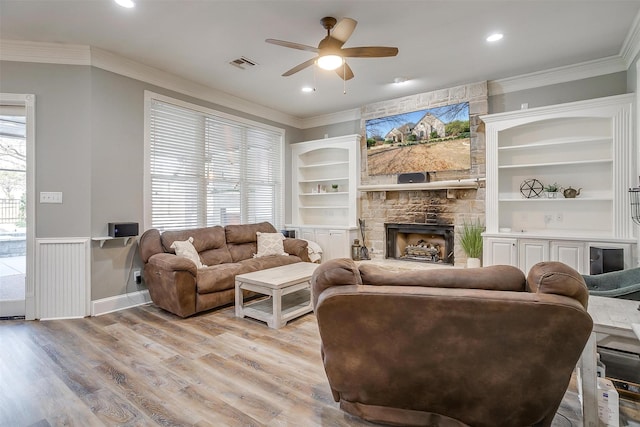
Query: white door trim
column 29, row 102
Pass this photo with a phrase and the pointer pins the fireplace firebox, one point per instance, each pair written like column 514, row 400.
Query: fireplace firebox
column 420, row 242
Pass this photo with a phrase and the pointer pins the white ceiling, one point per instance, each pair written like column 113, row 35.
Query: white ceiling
column 441, row 43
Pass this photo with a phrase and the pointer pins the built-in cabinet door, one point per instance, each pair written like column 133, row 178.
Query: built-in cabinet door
column 570, row 253
column 307, row 234
column 500, row 251
column 531, row 252
column 334, row 243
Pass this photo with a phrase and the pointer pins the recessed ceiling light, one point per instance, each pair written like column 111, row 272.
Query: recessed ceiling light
column 495, row 37
column 126, row 3
column 400, row 80
column 307, row 89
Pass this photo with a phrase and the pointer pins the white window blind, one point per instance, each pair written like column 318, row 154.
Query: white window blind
column 207, row 169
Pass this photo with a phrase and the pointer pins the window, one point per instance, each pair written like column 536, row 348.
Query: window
column 207, row 168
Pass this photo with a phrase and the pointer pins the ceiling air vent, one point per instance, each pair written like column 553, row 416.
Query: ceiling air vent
column 243, row 63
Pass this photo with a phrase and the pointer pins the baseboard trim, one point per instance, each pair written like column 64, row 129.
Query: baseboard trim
column 119, row 302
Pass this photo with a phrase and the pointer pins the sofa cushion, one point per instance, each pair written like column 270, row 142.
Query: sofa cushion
column 218, row 277
column 496, row 277
column 203, row 238
column 246, row 233
column 262, row 263
column 209, row 242
column 270, row 244
column 185, row 249
column 242, row 239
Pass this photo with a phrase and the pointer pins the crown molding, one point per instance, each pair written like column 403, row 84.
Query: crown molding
column 127, row 67
column 331, row 118
column 631, row 45
column 583, row 70
column 48, row 53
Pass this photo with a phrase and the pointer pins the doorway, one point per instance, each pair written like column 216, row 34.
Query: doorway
column 17, row 293
column 13, row 186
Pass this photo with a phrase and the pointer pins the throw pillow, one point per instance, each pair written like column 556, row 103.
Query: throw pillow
column 270, row 244
column 186, row 249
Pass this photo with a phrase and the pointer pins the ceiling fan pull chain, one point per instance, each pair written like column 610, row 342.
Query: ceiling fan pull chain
column 344, row 75
column 314, row 77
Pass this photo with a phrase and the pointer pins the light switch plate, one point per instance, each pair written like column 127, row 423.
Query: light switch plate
column 50, row 197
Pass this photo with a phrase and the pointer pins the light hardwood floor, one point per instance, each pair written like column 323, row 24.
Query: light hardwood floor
column 144, row 367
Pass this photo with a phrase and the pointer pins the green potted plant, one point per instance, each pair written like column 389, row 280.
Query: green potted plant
column 552, row 190
column 334, row 187
column 471, row 242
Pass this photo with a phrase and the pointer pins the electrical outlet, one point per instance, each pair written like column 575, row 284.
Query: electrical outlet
column 137, row 277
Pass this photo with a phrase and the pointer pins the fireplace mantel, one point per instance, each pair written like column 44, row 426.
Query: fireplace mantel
column 434, row 185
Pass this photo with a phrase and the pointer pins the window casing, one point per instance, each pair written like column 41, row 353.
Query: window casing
column 207, row 168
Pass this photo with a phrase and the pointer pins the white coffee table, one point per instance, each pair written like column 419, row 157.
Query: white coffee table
column 288, row 286
column 614, row 325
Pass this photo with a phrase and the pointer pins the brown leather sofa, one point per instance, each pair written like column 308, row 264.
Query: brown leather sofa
column 176, row 285
column 478, row 347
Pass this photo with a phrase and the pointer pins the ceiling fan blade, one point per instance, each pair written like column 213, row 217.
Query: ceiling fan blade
column 292, row 45
column 343, row 29
column 299, row 67
column 345, row 72
column 369, row 52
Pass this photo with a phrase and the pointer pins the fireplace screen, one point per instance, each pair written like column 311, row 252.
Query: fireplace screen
column 420, row 242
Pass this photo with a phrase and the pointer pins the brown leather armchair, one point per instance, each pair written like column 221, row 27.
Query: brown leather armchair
column 450, row 347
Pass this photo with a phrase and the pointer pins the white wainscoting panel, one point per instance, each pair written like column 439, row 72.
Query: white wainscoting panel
column 63, row 277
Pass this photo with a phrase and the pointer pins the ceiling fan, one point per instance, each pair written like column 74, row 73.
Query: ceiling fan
column 331, row 54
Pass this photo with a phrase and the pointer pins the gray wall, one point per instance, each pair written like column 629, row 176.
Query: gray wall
column 63, row 142
column 90, row 146
column 594, row 87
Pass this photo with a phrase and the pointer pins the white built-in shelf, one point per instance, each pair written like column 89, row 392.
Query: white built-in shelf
column 557, row 199
column 315, row 167
column 546, row 164
column 556, row 143
column 343, row 178
column 435, row 185
column 324, row 207
column 323, row 165
column 326, row 193
column 103, row 239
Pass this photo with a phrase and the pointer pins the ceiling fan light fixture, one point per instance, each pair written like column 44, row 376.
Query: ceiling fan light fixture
column 330, row 62
column 125, row 3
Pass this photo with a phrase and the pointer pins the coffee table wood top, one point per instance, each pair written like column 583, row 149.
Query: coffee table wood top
column 280, row 277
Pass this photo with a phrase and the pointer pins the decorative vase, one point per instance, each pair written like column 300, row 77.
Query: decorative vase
column 552, row 194
column 473, row 262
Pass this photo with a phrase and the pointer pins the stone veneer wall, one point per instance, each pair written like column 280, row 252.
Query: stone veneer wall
column 453, row 206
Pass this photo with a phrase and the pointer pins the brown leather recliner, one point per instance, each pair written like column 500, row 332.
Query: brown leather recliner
column 450, row 347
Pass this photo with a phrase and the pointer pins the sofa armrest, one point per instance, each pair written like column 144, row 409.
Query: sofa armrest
column 172, row 262
column 297, row 247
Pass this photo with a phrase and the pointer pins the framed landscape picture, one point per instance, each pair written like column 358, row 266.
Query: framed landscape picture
column 431, row 140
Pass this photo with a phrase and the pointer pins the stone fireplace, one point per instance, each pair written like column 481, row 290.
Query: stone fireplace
column 424, row 217
column 432, row 243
